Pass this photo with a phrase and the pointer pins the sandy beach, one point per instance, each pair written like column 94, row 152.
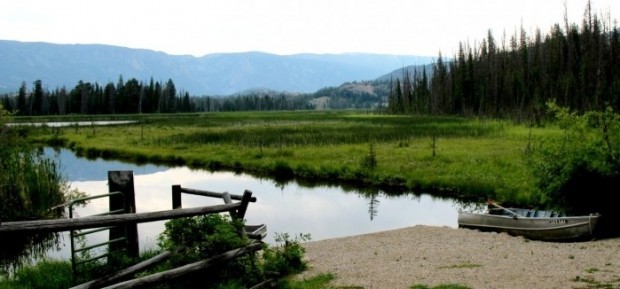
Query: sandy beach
column 440, row 255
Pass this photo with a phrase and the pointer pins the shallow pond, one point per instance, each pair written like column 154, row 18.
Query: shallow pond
column 323, row 211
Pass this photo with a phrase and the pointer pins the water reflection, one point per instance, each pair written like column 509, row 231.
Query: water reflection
column 323, row 211
column 72, row 123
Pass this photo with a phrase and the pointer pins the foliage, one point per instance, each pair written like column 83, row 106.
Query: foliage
column 287, row 257
column 580, row 171
column 30, row 185
column 47, row 274
column 6, row 138
column 199, row 238
column 191, row 239
column 202, row 237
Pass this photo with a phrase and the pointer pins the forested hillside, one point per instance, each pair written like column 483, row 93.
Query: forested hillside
column 578, row 66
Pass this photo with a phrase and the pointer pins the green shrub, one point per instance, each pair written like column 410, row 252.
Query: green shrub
column 287, row 257
column 198, row 238
column 203, row 236
column 580, row 171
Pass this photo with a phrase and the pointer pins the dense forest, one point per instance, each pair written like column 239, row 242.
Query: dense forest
column 577, row 66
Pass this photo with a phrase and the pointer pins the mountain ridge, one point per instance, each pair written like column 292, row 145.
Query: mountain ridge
column 58, row 65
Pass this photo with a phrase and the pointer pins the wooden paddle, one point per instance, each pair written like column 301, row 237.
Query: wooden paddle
column 507, row 210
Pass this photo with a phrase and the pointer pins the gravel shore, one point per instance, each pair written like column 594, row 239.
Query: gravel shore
column 441, row 255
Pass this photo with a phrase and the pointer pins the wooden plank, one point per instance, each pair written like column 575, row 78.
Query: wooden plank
column 111, row 220
column 189, row 268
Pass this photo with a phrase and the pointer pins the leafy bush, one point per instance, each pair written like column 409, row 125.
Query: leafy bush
column 198, row 238
column 287, row 257
column 202, row 237
column 580, row 171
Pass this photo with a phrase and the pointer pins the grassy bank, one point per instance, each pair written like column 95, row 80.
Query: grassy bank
column 441, row 155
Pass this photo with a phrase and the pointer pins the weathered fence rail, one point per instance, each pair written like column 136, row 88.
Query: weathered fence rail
column 117, row 276
column 123, row 182
column 111, row 220
column 178, row 272
column 177, row 190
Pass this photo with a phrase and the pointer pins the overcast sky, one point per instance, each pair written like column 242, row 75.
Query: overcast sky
column 199, row 27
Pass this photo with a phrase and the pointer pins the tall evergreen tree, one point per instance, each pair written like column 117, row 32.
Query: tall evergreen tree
column 22, row 103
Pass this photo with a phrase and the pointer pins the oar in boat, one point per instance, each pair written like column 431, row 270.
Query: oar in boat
column 513, row 213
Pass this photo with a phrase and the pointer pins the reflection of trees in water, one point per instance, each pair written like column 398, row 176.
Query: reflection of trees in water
column 469, row 206
column 373, row 194
column 19, row 249
column 373, row 205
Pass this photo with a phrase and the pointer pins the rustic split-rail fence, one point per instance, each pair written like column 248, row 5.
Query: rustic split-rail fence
column 121, row 221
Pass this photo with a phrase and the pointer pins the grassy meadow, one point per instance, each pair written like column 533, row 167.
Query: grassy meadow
column 449, row 156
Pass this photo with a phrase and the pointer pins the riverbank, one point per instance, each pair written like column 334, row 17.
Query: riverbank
column 441, row 255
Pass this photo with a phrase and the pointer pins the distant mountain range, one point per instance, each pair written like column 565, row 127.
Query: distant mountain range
column 58, row 65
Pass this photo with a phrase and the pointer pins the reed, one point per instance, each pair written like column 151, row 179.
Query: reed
column 30, row 185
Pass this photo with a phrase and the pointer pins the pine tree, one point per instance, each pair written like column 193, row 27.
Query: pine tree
column 22, row 104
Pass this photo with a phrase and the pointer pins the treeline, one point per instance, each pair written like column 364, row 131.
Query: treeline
column 577, row 66
column 254, row 101
column 131, row 96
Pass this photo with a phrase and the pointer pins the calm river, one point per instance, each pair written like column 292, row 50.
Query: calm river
column 323, row 212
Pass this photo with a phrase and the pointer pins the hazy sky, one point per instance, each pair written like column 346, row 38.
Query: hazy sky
column 199, row 27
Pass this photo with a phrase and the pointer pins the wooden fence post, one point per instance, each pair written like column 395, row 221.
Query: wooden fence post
column 122, row 181
column 176, row 196
column 245, row 201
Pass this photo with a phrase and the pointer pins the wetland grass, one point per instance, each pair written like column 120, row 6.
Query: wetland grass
column 442, row 155
column 30, row 185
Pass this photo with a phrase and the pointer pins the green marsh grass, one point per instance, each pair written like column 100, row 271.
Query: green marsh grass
column 52, row 274
column 441, row 155
column 30, row 185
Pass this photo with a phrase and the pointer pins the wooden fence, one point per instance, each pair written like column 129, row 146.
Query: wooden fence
column 122, row 181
